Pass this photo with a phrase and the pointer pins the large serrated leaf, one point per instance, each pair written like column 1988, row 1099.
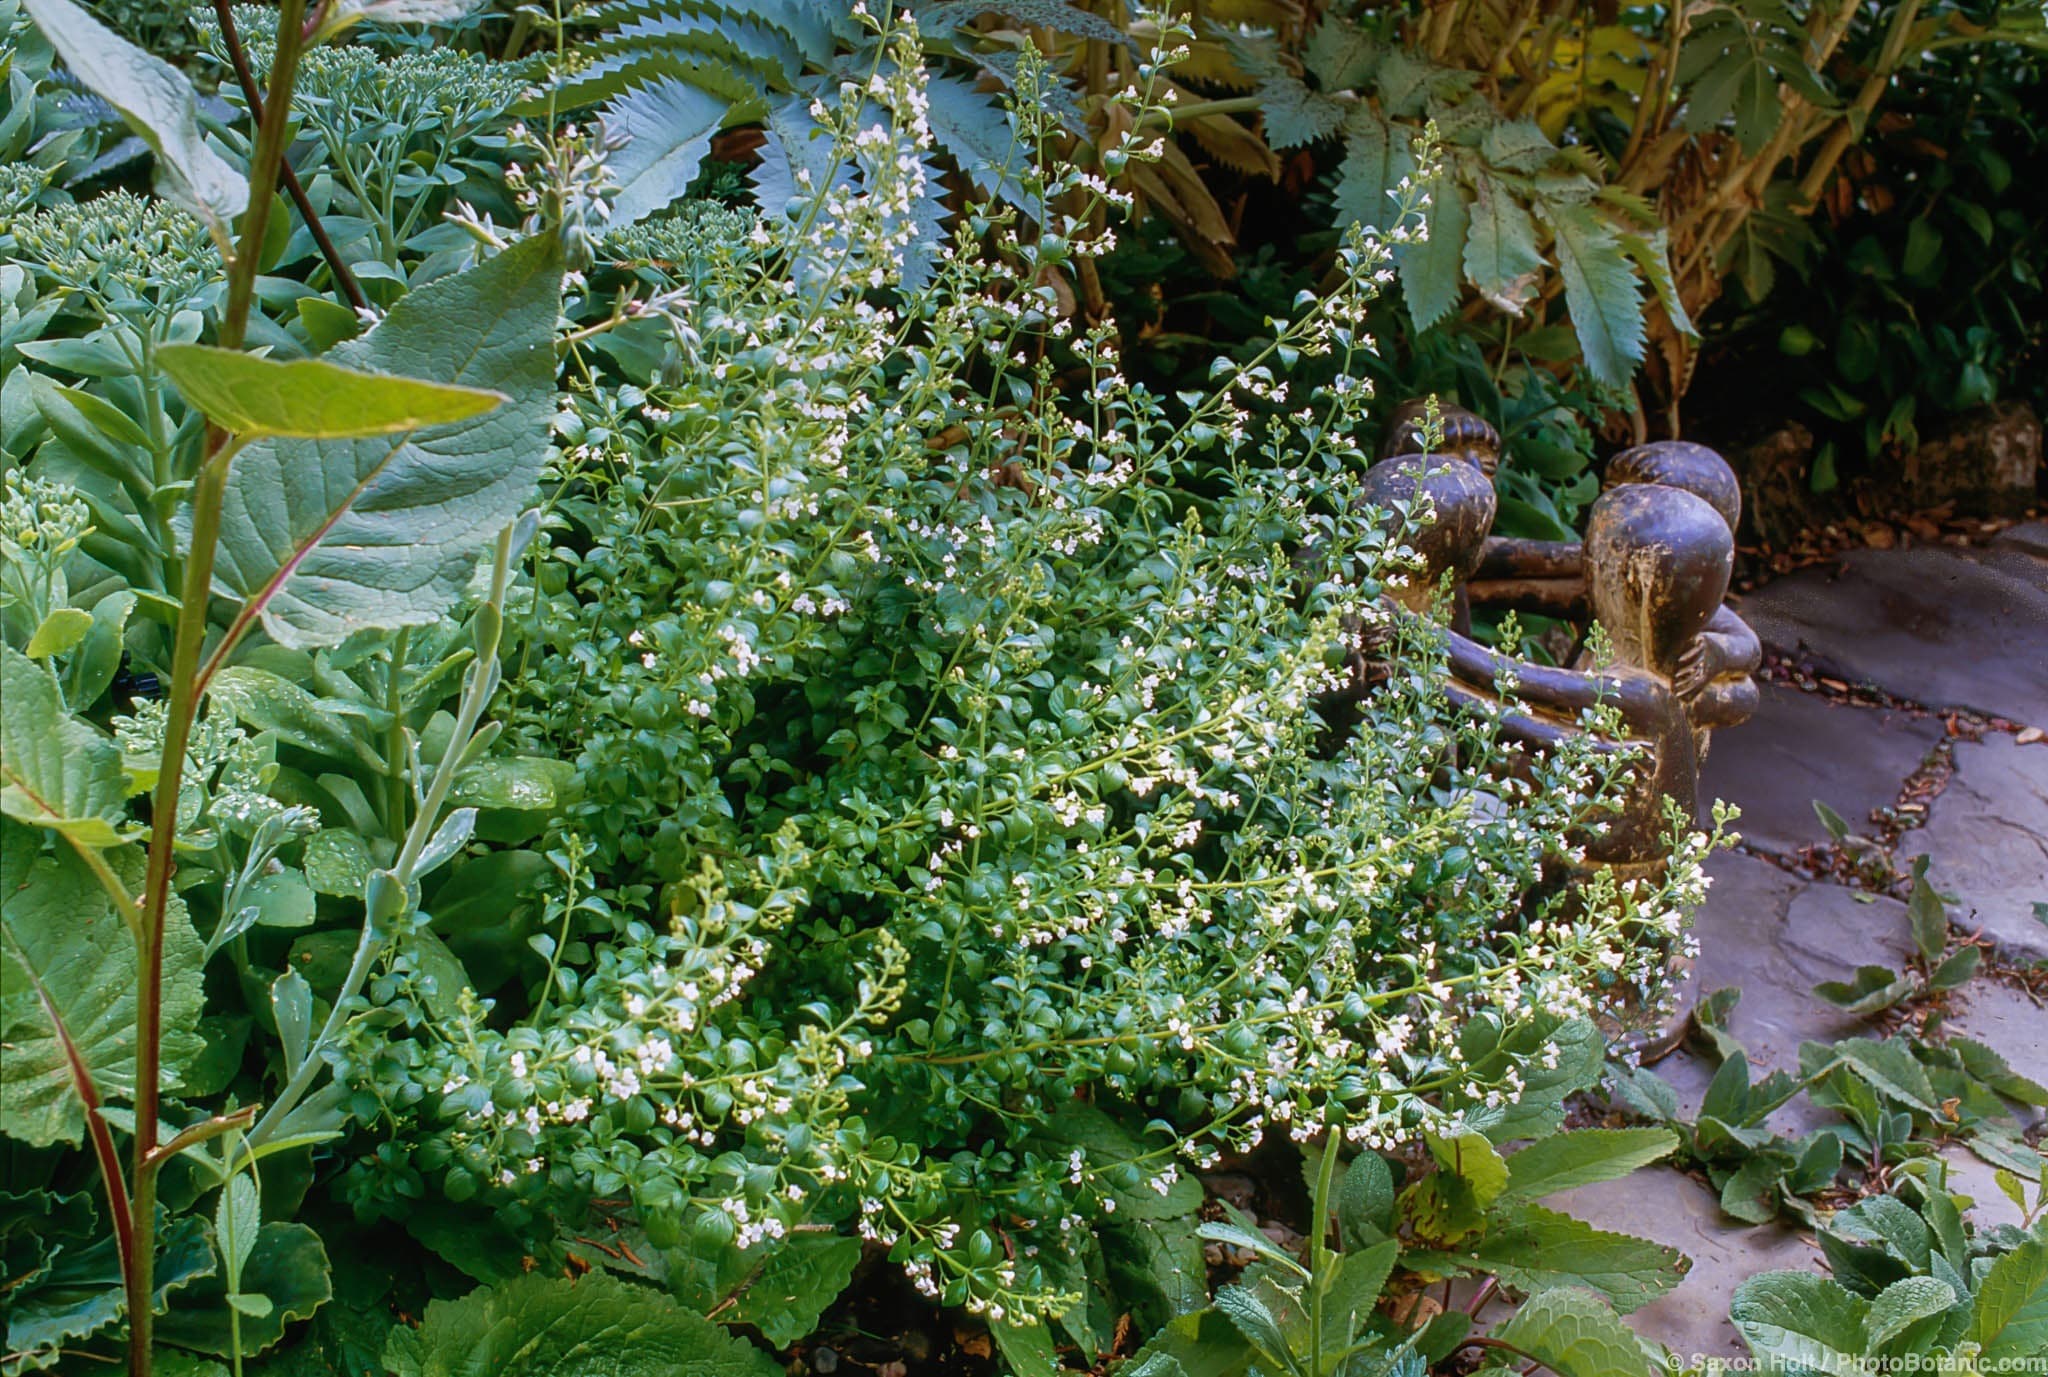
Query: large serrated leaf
column 1799, row 1322
column 979, row 135
column 329, row 537
column 795, row 1282
column 1599, row 291
column 55, row 771
column 1430, row 277
column 1574, row 1333
column 541, row 1326
column 2011, row 1321
column 157, row 102
column 1501, row 256
column 1376, row 160
column 667, row 125
column 312, row 399
column 1535, row 1249
column 1295, row 115
column 62, row 941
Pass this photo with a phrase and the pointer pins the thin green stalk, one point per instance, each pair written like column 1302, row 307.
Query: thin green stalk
column 195, row 587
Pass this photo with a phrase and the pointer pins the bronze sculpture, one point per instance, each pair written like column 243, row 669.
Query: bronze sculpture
column 1652, row 572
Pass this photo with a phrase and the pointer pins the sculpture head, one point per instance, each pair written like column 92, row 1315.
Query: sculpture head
column 1683, row 465
column 1658, row 560
column 1463, row 501
column 1466, row 436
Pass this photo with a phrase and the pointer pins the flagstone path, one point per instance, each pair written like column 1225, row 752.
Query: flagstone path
column 1911, row 692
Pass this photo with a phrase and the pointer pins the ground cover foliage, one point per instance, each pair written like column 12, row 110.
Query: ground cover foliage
column 578, row 784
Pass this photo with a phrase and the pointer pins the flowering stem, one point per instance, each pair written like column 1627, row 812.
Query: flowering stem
column 208, row 489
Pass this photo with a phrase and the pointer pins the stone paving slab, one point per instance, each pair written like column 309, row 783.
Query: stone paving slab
column 1669, row 1207
column 1944, row 627
column 1800, row 747
column 1987, row 842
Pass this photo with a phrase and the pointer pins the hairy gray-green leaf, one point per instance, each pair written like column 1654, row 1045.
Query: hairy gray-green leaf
column 312, row 399
column 159, row 105
column 1799, row 1322
column 63, row 940
column 793, row 1284
column 328, row 537
column 541, row 1326
column 1575, row 1333
column 2012, row 1306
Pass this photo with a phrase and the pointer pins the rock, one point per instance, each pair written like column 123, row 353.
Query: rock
column 1943, row 627
column 1671, row 1208
column 1987, row 840
column 1800, row 747
column 2029, row 538
column 1985, row 462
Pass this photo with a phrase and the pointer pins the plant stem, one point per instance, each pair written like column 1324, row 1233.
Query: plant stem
column 208, row 487
column 344, row 279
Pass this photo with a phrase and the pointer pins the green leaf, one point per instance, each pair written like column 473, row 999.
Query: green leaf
column 344, row 13
column 793, row 1285
column 1430, row 278
column 1929, row 918
column 1567, row 1160
column 1108, row 1146
column 1341, row 53
column 338, row 862
column 267, row 702
column 1599, row 290
column 1253, row 1316
column 1575, row 1333
column 1358, row 1280
column 1957, row 970
column 2011, row 1321
column 1501, row 256
column 1904, row 1304
column 64, row 628
column 1294, row 115
column 55, row 771
column 667, row 125
column 1517, row 146
column 1026, row 1348
column 540, row 1326
column 237, row 1215
column 1203, row 1344
column 63, row 940
column 1375, row 162
column 1875, row 988
column 1986, row 1065
column 81, row 1294
column 1365, row 1202
column 312, row 399
column 287, row 1268
column 1651, row 253
column 522, row 781
column 328, row 537
column 1801, row 1323
column 1156, row 1266
column 1535, row 1249
column 159, row 105
column 1890, row 1069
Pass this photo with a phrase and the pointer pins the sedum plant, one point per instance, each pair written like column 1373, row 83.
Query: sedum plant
column 978, row 831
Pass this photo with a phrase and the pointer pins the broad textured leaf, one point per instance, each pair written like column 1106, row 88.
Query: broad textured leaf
column 81, row 1294
column 1376, row 160
column 1156, row 1267
column 329, row 537
column 55, row 771
column 1535, row 1249
column 1295, row 115
column 159, row 105
column 1651, row 253
column 1890, row 1069
column 1341, row 53
column 267, row 702
column 1027, row 1348
column 1929, row 918
column 2012, row 1306
column 338, row 862
column 1107, row 1146
column 1365, row 1201
column 63, row 938
column 1576, row 1334
column 1599, row 291
column 667, row 125
column 1904, row 1304
column 287, row 1266
column 1501, row 256
column 519, row 781
column 1204, row 1344
column 540, row 1326
column 311, row 399
column 976, row 131
column 1517, row 146
column 1430, row 277
column 1579, row 1159
column 343, row 13
column 1798, row 1322
column 1874, row 988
